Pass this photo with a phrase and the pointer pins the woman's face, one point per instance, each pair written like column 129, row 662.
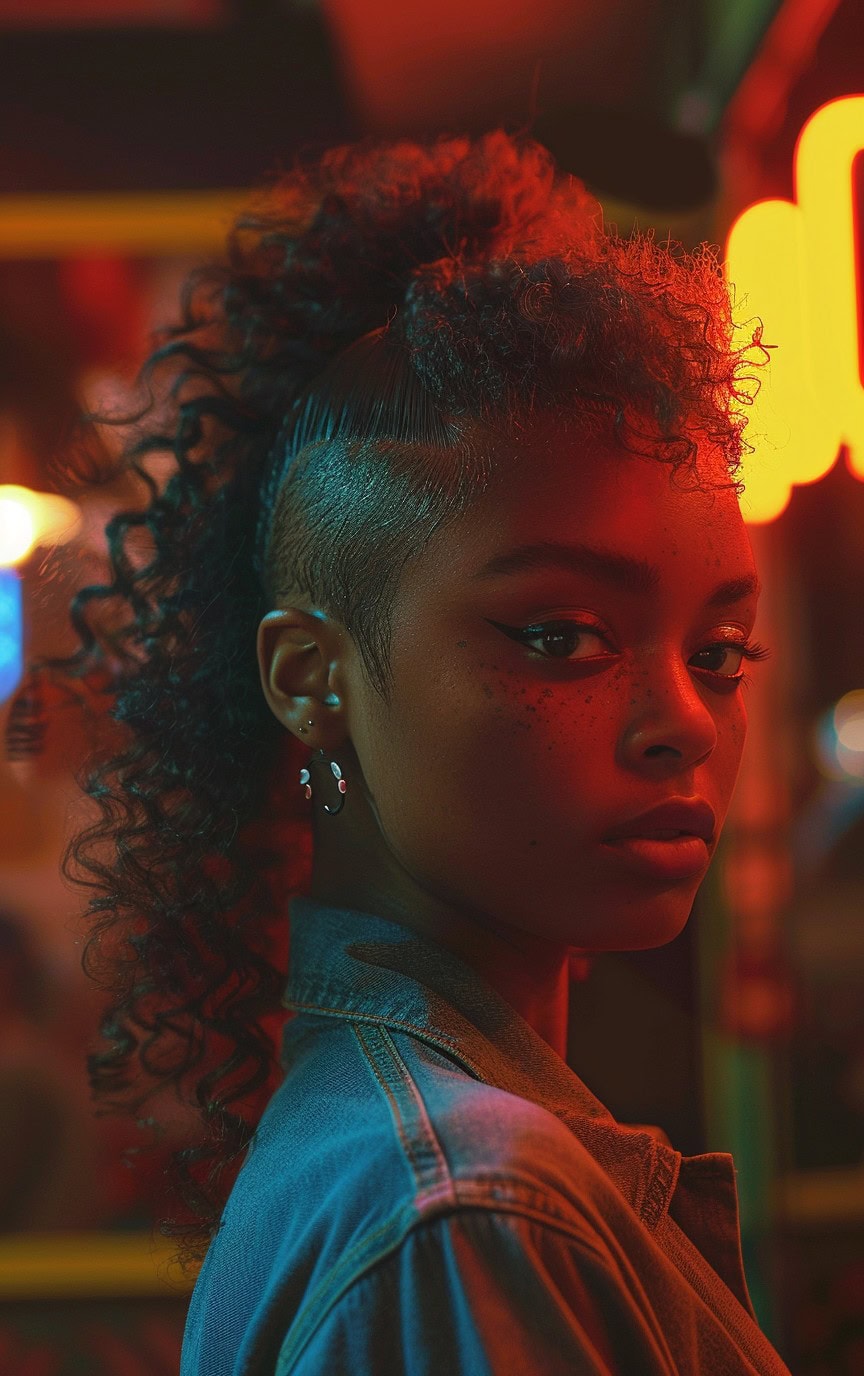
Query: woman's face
column 499, row 767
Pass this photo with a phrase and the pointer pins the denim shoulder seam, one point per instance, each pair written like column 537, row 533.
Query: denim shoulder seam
column 386, row 1241
column 436, row 1039
column 410, row 1115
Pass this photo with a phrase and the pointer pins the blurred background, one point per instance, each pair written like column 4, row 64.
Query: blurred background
column 131, row 130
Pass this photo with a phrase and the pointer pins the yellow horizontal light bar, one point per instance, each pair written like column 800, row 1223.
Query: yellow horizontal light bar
column 145, row 224
column 157, row 223
column 686, row 226
column 821, row 1196
column 55, row 1265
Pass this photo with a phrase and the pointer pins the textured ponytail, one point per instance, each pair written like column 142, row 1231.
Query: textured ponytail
column 325, row 404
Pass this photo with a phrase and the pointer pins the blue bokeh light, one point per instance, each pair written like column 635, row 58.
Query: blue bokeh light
column 11, row 633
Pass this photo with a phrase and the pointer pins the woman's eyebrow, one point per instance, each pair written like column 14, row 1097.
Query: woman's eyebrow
column 625, row 572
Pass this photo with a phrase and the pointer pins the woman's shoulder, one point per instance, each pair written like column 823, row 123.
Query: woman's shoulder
column 373, row 1135
column 510, row 1146
column 373, row 1101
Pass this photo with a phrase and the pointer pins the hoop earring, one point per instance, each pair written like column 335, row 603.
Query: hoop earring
column 305, row 780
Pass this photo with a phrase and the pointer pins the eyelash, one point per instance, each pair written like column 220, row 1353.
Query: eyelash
column 749, row 649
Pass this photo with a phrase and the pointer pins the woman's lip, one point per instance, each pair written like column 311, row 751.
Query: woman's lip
column 681, row 858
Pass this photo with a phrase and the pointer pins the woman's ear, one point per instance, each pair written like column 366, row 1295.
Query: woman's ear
column 298, row 663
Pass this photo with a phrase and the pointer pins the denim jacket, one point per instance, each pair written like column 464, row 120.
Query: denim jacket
column 432, row 1191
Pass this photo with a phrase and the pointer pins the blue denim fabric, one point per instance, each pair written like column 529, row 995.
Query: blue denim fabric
column 432, row 1191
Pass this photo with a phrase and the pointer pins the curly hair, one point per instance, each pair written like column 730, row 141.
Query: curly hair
column 324, row 405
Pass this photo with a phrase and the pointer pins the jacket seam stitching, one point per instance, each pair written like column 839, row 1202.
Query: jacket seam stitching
column 405, row 1137
column 526, row 1211
column 425, row 1130
column 434, row 1039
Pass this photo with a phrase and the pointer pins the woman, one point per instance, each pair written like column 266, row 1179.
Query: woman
column 453, row 552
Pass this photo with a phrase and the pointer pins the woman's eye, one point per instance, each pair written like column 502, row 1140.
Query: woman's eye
column 721, row 655
column 560, row 640
column 739, row 650
column 555, row 639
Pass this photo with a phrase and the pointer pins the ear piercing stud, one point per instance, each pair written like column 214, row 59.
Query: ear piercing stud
column 331, row 700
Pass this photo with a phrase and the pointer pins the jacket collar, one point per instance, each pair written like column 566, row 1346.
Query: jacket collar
column 345, row 963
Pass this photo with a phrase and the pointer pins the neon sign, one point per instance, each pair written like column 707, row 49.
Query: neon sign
column 793, row 263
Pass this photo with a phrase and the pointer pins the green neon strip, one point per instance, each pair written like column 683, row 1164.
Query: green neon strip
column 738, row 1101
column 733, row 31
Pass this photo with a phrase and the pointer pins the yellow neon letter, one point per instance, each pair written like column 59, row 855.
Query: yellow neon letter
column 794, row 265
